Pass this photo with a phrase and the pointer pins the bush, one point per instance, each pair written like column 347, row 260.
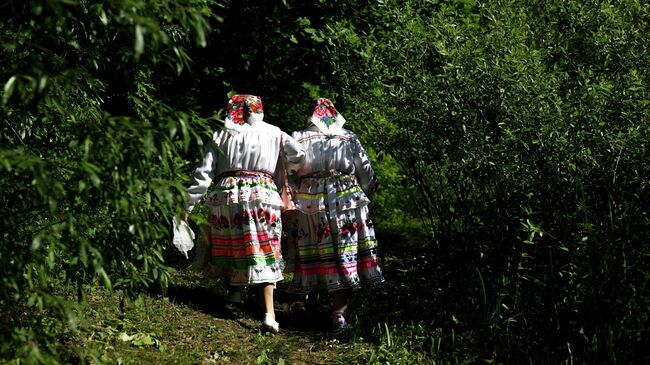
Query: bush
column 522, row 132
column 90, row 157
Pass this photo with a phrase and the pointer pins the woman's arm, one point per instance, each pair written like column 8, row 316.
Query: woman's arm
column 363, row 169
column 294, row 153
column 202, row 177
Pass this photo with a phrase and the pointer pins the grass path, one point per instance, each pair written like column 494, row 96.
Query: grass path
column 193, row 325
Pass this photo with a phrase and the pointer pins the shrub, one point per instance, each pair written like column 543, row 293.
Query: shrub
column 90, row 157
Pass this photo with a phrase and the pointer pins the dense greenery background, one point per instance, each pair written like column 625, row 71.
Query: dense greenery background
column 510, row 140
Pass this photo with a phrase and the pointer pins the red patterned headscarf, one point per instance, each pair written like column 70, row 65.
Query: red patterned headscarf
column 324, row 115
column 244, row 108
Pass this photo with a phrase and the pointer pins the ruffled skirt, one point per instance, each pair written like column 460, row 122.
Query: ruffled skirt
column 245, row 229
column 335, row 244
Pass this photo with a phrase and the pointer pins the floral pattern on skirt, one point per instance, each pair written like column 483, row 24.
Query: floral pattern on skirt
column 336, row 249
column 245, row 235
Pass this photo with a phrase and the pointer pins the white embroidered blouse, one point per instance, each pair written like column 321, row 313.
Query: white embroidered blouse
column 252, row 147
column 339, row 151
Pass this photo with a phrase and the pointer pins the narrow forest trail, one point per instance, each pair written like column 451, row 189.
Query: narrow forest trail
column 192, row 324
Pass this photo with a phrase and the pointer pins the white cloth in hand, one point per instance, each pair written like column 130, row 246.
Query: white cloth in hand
column 183, row 236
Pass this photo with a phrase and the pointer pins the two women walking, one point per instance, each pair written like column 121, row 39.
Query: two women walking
column 335, row 246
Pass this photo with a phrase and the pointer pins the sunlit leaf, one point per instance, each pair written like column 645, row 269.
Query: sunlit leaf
column 8, row 89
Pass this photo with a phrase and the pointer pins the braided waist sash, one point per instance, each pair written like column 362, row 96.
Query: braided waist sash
column 245, row 173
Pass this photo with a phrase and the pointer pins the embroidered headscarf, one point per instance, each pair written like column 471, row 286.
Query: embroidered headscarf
column 324, row 115
column 243, row 109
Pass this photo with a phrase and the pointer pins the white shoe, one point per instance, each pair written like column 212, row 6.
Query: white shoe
column 269, row 324
column 339, row 324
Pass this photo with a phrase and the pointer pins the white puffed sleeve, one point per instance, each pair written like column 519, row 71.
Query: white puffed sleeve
column 294, row 157
column 294, row 153
column 202, row 177
column 363, row 170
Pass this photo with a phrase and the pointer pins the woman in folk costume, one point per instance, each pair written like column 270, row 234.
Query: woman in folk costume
column 336, row 247
column 244, row 203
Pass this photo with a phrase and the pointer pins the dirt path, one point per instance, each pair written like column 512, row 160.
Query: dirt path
column 193, row 324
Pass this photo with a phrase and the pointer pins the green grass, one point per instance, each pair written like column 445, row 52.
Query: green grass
column 191, row 324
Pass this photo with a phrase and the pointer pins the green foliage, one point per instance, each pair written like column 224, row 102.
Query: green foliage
column 407, row 344
column 90, row 154
column 510, row 140
column 522, row 131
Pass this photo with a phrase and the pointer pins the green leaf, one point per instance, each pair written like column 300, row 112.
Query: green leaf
column 124, row 337
column 8, row 89
column 105, row 279
column 139, row 40
column 103, row 17
column 145, row 340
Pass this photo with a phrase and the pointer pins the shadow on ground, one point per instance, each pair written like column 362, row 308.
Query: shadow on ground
column 295, row 313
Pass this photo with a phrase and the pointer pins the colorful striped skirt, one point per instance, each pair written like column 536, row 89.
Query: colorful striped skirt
column 245, row 228
column 335, row 246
